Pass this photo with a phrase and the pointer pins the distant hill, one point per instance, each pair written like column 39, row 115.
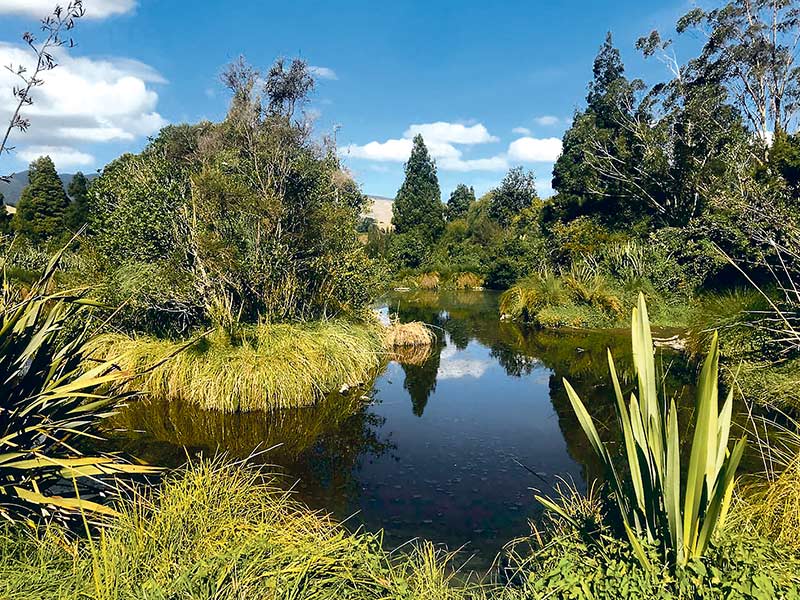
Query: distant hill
column 13, row 189
column 381, row 211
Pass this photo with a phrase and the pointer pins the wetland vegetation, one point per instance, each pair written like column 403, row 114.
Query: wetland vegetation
column 239, row 405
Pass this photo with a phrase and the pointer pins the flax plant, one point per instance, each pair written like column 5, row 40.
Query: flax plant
column 658, row 503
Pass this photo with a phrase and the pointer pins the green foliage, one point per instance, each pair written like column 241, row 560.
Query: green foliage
column 656, row 502
column 248, row 218
column 596, row 566
column 418, row 209
column 77, row 214
column 135, row 208
column 51, row 405
column 460, row 201
column 41, row 208
column 517, row 192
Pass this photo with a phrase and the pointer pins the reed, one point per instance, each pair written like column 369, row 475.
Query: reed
column 269, row 366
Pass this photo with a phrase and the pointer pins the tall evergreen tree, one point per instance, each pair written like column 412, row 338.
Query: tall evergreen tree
column 78, row 211
column 581, row 188
column 41, row 208
column 459, row 202
column 5, row 217
column 418, row 208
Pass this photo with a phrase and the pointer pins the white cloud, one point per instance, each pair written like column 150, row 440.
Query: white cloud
column 453, row 133
column 547, row 120
column 441, row 139
column 388, row 151
column 521, row 130
column 529, row 149
column 323, row 72
column 84, row 100
column 451, row 367
column 95, row 9
column 63, row 157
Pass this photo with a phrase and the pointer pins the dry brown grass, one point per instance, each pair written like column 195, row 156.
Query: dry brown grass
column 429, row 281
column 467, row 281
column 407, row 335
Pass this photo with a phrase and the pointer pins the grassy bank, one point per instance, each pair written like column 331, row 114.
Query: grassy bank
column 264, row 367
column 217, row 532
column 585, row 298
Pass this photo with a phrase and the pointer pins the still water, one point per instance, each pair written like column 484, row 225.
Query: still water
column 446, row 447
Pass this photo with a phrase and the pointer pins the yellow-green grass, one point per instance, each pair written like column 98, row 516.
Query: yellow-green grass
column 222, row 532
column 269, row 366
column 406, row 335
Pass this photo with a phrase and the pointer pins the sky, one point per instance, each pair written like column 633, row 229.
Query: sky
column 489, row 85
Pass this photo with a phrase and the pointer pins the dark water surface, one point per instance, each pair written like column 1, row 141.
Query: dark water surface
column 434, row 450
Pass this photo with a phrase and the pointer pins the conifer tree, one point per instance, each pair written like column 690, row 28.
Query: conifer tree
column 78, row 210
column 41, row 208
column 418, row 208
column 459, row 202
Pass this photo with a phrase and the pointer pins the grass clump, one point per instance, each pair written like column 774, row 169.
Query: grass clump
column 222, row 532
column 268, row 366
column 411, row 334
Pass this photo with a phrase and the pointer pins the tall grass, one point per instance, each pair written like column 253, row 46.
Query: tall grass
column 223, row 532
column 269, row 366
column 657, row 502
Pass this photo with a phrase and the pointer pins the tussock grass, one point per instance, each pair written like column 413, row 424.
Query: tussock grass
column 411, row 334
column 269, row 366
column 467, row 281
column 429, row 281
column 772, row 507
column 223, row 532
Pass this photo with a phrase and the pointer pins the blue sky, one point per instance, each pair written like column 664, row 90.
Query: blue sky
column 490, row 85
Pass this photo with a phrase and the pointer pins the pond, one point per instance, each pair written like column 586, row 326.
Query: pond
column 446, row 447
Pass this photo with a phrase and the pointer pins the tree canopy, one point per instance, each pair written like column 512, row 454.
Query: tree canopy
column 41, row 208
column 418, row 207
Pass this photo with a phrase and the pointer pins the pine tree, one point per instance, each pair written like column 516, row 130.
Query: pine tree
column 459, row 202
column 78, row 210
column 418, row 208
column 5, row 217
column 41, row 208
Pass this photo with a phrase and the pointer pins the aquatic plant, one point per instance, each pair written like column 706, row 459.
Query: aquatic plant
column 268, row 366
column 220, row 531
column 656, row 503
column 466, row 281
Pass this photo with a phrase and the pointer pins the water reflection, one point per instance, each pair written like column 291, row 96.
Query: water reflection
column 433, row 449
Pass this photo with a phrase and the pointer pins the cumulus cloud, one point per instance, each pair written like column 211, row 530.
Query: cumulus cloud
column 323, row 72
column 84, row 101
column 547, row 120
column 521, row 130
column 441, row 139
column 388, row 151
column 95, row 9
column 63, row 157
column 453, row 133
column 529, row 149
